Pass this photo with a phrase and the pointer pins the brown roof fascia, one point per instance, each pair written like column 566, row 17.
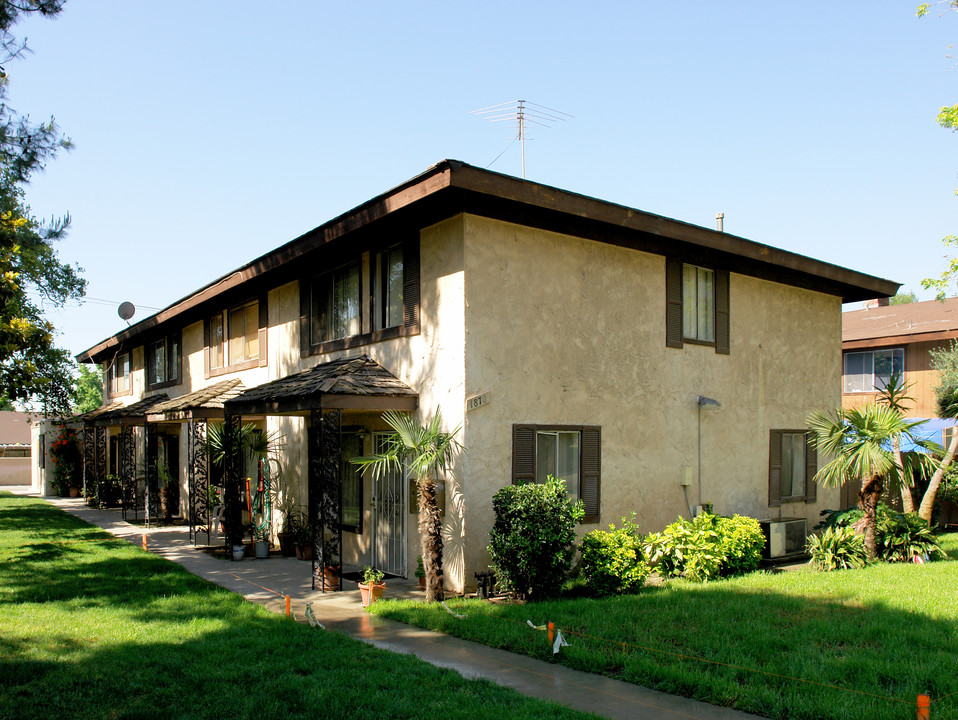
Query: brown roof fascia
column 899, row 340
column 538, row 205
column 850, row 284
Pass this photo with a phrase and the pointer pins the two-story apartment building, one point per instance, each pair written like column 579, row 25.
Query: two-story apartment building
column 653, row 364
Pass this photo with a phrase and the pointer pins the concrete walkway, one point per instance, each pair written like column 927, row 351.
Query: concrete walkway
column 267, row 582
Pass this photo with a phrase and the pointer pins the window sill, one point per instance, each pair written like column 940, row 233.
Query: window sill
column 162, row 385
column 126, row 393
column 365, row 339
column 704, row 343
column 247, row 365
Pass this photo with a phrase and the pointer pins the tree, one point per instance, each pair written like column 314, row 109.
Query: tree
column 893, row 395
column 88, row 393
column 31, row 275
column 945, row 362
column 425, row 452
column 903, row 297
column 858, row 441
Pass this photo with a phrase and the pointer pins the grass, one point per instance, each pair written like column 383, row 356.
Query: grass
column 93, row 627
column 864, row 642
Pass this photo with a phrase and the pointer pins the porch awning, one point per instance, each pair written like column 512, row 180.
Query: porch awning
column 135, row 412
column 204, row 403
column 349, row 384
column 91, row 415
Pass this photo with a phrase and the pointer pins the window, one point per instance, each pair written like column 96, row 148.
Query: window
column 335, row 305
column 698, row 303
column 570, row 452
column 236, row 338
column 120, row 375
column 163, row 362
column 372, row 297
column 792, row 464
column 352, row 493
column 696, row 306
column 42, row 452
column 388, row 289
column 870, row 371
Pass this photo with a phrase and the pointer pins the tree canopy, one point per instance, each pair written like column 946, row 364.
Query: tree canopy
column 33, row 278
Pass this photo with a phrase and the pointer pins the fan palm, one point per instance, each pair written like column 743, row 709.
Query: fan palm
column 895, row 396
column 424, row 451
column 859, row 442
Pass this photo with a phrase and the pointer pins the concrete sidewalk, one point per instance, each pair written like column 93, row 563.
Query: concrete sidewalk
column 267, row 582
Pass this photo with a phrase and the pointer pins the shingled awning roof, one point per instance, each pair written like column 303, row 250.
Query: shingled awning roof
column 350, row 383
column 91, row 415
column 929, row 321
column 204, row 403
column 135, row 412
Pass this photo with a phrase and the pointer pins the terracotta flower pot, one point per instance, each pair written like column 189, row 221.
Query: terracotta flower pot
column 371, row 593
column 422, row 583
column 304, row 552
column 331, row 576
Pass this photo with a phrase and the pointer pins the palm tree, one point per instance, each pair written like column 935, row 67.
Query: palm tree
column 424, row 451
column 894, row 395
column 859, row 442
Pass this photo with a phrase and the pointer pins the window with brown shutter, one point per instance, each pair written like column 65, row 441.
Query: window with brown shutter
column 696, row 306
column 792, row 465
column 235, row 338
column 570, row 452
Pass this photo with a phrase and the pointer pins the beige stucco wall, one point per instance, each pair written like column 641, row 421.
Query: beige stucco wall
column 561, row 330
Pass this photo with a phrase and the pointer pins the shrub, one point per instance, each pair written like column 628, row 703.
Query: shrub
column 706, row 547
column 742, row 541
column 898, row 537
column 902, row 537
column 837, row 548
column 532, row 542
column 67, row 459
column 612, row 562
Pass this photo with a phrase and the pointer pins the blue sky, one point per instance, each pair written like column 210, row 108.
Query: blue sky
column 209, row 133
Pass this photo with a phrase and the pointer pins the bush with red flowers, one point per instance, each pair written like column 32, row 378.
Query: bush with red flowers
column 67, row 462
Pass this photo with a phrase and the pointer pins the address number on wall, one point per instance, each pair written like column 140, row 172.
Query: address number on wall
column 477, row 401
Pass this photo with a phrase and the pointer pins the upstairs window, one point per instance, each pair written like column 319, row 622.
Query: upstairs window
column 698, row 303
column 236, row 338
column 372, row 297
column 120, row 381
column 696, row 306
column 388, row 289
column 335, row 304
column 870, row 371
column 163, row 362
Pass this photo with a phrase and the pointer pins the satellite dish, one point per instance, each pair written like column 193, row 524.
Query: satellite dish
column 126, row 310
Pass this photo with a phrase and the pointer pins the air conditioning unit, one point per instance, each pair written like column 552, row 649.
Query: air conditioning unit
column 784, row 537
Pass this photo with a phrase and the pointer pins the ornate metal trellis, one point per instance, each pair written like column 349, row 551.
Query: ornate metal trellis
column 151, row 493
column 199, row 482
column 262, row 502
column 128, row 471
column 325, row 494
column 89, row 456
column 232, row 469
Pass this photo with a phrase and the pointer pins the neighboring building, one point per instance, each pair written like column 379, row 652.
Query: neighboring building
column 882, row 339
column 563, row 334
column 15, row 449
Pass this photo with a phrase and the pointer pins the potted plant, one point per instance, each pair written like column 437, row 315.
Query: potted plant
column 261, row 542
column 420, row 573
column 287, row 534
column 302, row 535
column 372, row 587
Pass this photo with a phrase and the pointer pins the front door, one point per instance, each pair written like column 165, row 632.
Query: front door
column 389, row 520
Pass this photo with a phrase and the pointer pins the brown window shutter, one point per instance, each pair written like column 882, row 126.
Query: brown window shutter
column 721, row 312
column 811, row 468
column 673, row 303
column 523, row 454
column 410, row 284
column 591, row 466
column 775, row 468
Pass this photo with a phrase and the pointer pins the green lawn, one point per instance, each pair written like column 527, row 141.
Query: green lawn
column 865, row 642
column 93, row 627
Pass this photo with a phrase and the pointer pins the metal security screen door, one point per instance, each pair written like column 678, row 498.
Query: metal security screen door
column 389, row 519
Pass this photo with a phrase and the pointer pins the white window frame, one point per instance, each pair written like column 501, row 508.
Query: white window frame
column 866, row 380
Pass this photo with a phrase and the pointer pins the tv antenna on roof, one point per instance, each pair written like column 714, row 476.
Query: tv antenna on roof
column 523, row 113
